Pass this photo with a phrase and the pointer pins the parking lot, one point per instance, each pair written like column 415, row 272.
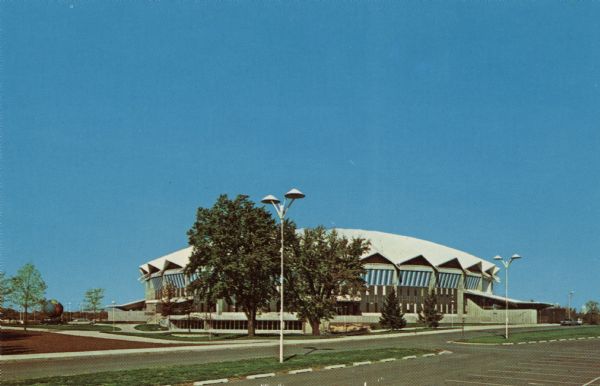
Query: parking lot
column 552, row 363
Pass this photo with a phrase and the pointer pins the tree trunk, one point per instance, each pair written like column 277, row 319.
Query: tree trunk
column 251, row 322
column 25, row 318
column 315, row 324
column 251, row 327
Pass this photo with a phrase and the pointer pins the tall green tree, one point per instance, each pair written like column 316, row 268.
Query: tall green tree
column 430, row 316
column 323, row 267
column 27, row 288
column 93, row 299
column 391, row 314
column 235, row 255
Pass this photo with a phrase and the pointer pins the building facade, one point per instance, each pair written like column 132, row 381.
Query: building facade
column 463, row 283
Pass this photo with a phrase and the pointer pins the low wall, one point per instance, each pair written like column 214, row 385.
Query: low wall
column 476, row 314
column 128, row 316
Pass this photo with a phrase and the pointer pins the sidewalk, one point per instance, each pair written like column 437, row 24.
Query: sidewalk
column 206, row 346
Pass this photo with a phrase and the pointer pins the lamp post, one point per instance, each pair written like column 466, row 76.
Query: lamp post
column 452, row 311
column 569, row 308
column 506, row 263
column 113, row 314
column 70, row 317
column 281, row 210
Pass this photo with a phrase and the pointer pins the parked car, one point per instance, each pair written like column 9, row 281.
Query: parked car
column 51, row 321
column 81, row 321
column 577, row 322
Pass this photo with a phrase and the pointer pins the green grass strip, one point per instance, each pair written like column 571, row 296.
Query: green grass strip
column 564, row 332
column 229, row 369
column 75, row 327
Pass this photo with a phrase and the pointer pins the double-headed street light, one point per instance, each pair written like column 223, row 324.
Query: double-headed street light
column 506, row 263
column 281, row 210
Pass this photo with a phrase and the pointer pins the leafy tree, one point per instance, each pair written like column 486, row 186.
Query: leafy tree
column 235, row 255
column 592, row 312
column 324, row 266
column 5, row 288
column 93, row 299
column 167, row 293
column 430, row 316
column 391, row 314
column 27, row 288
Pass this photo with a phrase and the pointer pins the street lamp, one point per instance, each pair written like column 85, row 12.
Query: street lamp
column 569, row 309
column 452, row 311
column 506, row 263
column 281, row 210
column 113, row 316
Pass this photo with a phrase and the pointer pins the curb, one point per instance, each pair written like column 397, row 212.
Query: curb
column 309, row 370
column 256, row 376
column 211, row 382
column 334, row 367
column 330, row 367
column 528, row 342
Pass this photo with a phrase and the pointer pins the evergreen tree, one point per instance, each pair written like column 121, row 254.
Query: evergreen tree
column 391, row 314
column 430, row 316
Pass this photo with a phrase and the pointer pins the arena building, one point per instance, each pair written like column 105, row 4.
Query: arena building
column 464, row 284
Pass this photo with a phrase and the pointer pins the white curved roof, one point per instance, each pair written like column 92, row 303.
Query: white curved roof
column 400, row 249
column 396, row 248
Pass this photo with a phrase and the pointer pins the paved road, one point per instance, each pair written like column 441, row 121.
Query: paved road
column 556, row 363
column 70, row 366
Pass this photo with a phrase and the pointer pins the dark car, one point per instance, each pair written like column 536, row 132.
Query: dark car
column 571, row 323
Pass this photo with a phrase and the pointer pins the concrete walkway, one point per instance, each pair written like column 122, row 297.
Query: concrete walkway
column 205, row 346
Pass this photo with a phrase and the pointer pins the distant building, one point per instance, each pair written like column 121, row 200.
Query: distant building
column 464, row 284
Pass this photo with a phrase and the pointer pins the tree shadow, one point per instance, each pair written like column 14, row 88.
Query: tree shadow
column 312, row 349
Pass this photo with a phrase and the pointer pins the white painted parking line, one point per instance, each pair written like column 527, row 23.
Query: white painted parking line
column 534, row 373
column 557, row 364
column 592, row 381
column 590, row 370
column 477, row 383
column 522, row 379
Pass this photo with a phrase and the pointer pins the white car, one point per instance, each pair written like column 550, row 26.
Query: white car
column 81, row 321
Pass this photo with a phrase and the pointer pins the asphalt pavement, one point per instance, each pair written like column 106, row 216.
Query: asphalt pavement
column 552, row 363
column 466, row 361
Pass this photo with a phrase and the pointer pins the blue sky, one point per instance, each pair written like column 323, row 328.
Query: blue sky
column 471, row 124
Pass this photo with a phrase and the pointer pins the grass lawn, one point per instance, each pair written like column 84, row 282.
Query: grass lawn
column 564, row 332
column 150, row 327
column 77, row 327
column 183, row 374
column 184, row 336
column 193, row 337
